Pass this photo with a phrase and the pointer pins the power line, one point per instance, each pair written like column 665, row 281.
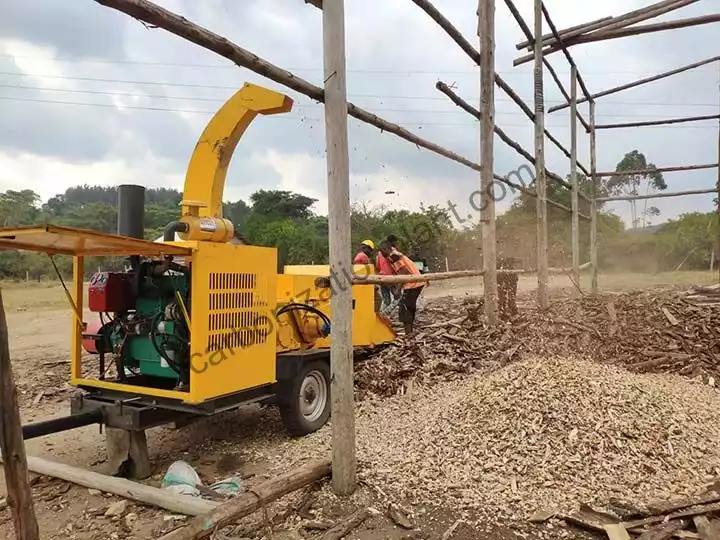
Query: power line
column 285, row 117
column 312, row 105
column 375, row 96
column 314, row 70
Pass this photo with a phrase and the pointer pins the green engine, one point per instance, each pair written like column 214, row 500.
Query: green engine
column 144, row 327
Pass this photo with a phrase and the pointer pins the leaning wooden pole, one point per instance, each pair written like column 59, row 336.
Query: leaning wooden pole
column 593, row 205
column 486, row 32
column 573, row 176
column 12, row 445
column 541, row 181
column 344, row 462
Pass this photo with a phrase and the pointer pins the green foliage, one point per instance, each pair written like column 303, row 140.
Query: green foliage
column 637, row 184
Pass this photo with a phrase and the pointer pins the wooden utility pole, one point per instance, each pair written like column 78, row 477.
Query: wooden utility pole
column 717, row 245
column 573, row 176
column 344, row 462
column 593, row 204
column 486, row 32
column 12, row 445
column 540, row 183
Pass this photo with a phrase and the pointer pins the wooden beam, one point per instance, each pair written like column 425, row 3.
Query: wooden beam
column 584, row 27
column 377, row 279
column 486, row 33
column 658, row 169
column 540, row 183
column 457, row 100
column 639, row 82
column 597, row 25
column 568, row 57
column 659, row 195
column 247, row 503
column 526, row 30
column 474, row 55
column 161, row 498
column 573, row 176
column 344, row 461
column 659, row 122
column 12, row 446
column 150, row 13
column 717, row 245
column 593, row 206
column 625, row 32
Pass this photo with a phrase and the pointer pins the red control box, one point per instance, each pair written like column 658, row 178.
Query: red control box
column 110, row 292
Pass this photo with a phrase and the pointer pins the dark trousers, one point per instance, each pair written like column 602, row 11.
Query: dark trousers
column 408, row 305
column 386, row 296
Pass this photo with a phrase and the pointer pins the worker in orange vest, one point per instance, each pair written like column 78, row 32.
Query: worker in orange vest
column 402, row 265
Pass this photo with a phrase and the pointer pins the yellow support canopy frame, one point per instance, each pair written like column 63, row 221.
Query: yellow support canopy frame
column 57, row 240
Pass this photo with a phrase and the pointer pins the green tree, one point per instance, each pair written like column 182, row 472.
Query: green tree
column 632, row 183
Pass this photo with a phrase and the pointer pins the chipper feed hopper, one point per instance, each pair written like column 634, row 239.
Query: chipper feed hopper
column 199, row 325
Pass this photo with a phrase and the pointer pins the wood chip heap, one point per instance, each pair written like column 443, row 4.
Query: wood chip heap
column 655, row 331
column 544, row 434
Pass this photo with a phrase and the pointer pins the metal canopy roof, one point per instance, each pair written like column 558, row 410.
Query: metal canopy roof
column 59, row 240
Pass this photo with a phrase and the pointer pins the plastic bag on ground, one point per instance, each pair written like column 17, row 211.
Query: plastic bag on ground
column 181, row 478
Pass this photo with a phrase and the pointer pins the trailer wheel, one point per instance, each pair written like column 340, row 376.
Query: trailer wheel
column 305, row 405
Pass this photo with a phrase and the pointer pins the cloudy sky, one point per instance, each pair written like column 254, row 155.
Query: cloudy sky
column 88, row 95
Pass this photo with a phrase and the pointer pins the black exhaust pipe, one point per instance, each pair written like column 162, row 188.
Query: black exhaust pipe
column 131, row 211
column 131, row 214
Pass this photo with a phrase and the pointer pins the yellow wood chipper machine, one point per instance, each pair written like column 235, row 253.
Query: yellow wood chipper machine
column 199, row 323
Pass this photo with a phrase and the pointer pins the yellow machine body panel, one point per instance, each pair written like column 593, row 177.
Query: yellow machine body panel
column 369, row 327
column 233, row 297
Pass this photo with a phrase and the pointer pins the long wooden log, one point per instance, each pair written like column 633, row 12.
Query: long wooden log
column 180, row 504
column 584, row 27
column 658, row 169
column 528, row 33
column 486, row 33
column 568, row 56
column 376, row 279
column 660, row 195
column 474, row 55
column 639, row 82
column 247, row 503
column 659, row 122
column 175, row 24
column 457, row 100
column 625, row 32
column 12, row 446
column 597, row 25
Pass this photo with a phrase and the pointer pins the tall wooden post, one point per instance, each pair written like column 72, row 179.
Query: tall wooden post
column 541, row 181
column 338, row 169
column 593, row 205
column 573, row 177
column 717, row 246
column 486, row 31
column 12, row 445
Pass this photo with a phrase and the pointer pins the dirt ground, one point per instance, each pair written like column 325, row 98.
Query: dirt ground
column 250, row 443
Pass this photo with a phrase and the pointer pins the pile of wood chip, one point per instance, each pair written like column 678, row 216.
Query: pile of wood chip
column 544, row 435
column 655, row 331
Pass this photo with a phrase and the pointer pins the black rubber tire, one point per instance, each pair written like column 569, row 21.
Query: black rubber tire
column 295, row 422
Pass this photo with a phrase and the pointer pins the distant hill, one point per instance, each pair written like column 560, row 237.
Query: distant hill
column 650, row 229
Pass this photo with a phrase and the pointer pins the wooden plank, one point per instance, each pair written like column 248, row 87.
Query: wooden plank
column 690, row 512
column 616, row 531
column 12, row 446
column 344, row 458
column 540, row 180
column 486, row 32
column 658, row 169
column 667, row 121
column 247, row 503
